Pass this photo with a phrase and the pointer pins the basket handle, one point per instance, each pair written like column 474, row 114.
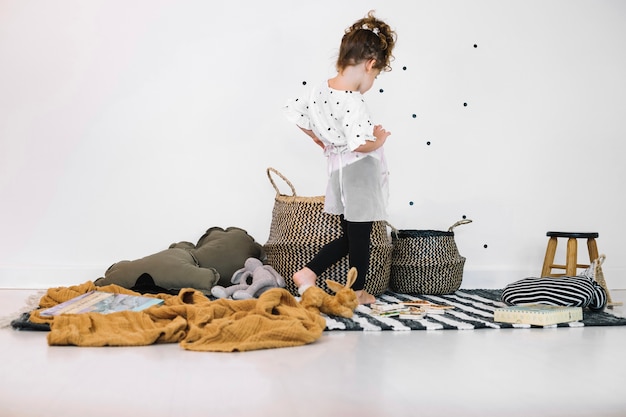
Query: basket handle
column 600, row 259
column 460, row 222
column 394, row 231
column 275, row 171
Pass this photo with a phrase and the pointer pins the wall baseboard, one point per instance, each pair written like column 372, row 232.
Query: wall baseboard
column 42, row 277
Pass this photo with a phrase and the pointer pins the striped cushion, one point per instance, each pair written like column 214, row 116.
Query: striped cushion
column 578, row 291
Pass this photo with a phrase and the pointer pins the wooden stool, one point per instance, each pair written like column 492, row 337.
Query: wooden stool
column 571, row 263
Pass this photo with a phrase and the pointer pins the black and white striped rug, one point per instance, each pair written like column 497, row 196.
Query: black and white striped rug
column 473, row 309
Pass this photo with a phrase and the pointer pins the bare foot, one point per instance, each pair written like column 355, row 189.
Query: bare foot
column 304, row 279
column 364, row 297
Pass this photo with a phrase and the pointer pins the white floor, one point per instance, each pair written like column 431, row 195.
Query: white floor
column 504, row 373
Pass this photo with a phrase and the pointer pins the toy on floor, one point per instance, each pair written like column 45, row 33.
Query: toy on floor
column 341, row 304
column 212, row 261
column 261, row 277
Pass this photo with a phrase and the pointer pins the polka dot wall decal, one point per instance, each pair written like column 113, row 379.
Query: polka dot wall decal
column 485, row 246
column 410, row 203
column 464, row 217
column 381, row 90
column 464, row 104
column 303, row 82
column 414, row 115
column 428, row 143
column 475, row 46
column 403, row 68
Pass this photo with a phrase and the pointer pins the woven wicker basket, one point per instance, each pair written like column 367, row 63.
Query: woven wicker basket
column 300, row 228
column 426, row 261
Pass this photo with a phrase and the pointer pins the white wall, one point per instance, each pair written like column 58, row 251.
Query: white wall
column 128, row 125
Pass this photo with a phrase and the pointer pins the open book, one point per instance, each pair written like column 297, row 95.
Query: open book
column 102, row 302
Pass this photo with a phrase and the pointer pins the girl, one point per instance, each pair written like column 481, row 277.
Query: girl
column 336, row 117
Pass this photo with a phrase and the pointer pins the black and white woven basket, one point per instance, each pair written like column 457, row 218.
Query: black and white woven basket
column 300, row 228
column 426, row 261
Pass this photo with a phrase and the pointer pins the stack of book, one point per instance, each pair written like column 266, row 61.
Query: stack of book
column 388, row 310
column 537, row 314
column 417, row 309
column 427, row 307
column 413, row 313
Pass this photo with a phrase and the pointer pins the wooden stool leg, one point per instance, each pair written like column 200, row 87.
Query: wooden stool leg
column 593, row 250
column 546, row 271
column 572, row 257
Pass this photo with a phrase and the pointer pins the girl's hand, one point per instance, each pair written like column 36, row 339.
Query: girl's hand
column 381, row 134
column 319, row 142
column 371, row 145
column 310, row 134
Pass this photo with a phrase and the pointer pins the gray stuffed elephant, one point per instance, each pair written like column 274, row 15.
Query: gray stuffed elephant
column 250, row 281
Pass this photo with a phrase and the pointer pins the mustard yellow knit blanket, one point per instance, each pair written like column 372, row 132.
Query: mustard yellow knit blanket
column 191, row 319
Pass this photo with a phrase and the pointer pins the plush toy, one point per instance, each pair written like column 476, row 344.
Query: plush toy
column 225, row 250
column 171, row 269
column 250, row 281
column 212, row 261
column 341, row 304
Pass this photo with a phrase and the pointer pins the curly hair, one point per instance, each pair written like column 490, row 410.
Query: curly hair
column 367, row 38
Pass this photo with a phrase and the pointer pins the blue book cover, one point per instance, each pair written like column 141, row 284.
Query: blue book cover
column 102, row 302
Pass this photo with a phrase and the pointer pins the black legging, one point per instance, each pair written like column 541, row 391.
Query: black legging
column 355, row 241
